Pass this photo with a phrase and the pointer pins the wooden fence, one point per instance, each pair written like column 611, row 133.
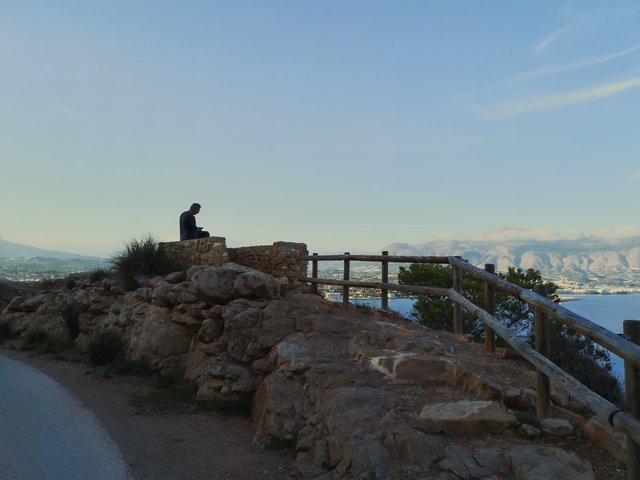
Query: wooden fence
column 625, row 421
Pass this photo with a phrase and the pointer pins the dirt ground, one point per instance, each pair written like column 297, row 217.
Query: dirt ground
column 165, row 445
column 171, row 444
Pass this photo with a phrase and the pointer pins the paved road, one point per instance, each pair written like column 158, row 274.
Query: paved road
column 46, row 434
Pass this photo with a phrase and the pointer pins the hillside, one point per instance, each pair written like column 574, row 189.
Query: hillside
column 26, row 263
column 587, row 263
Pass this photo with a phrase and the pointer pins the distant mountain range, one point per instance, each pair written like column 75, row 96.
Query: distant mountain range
column 23, row 262
column 13, row 250
column 588, row 262
column 584, row 264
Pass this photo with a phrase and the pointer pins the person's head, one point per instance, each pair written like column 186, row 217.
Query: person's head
column 195, row 208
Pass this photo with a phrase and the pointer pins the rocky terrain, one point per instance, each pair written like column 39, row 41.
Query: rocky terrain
column 353, row 393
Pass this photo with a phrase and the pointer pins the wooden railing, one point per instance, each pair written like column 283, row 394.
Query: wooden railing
column 625, row 421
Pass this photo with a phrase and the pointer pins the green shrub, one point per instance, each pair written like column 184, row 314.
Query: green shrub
column 141, row 257
column 105, row 348
column 39, row 341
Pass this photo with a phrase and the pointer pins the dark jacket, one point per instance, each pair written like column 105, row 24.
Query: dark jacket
column 188, row 228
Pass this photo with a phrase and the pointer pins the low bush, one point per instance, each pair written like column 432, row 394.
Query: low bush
column 41, row 342
column 99, row 274
column 105, row 348
column 141, row 258
column 179, row 395
column 6, row 330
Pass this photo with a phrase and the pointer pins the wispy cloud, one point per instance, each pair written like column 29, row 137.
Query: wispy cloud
column 75, row 113
column 542, row 46
column 551, row 102
column 551, row 69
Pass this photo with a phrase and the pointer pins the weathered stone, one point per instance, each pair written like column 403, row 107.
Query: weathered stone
column 460, row 461
column 348, row 408
column 156, row 335
column 556, row 426
column 542, row 463
column 364, row 458
column 243, row 320
column 239, row 377
column 465, row 417
column 254, row 284
column 274, row 412
column 211, row 330
column 521, row 399
column 411, row 368
column 176, row 277
column 528, row 431
column 413, row 447
column 215, row 284
column 160, row 295
column 494, row 460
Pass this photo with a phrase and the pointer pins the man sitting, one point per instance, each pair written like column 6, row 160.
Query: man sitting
column 188, row 228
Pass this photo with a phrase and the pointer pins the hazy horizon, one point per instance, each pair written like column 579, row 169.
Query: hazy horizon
column 498, row 235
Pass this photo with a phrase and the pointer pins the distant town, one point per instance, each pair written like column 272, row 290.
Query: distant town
column 617, row 282
column 33, row 269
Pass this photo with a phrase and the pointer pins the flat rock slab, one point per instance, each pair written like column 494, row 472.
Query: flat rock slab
column 465, row 417
column 543, row 463
column 520, row 462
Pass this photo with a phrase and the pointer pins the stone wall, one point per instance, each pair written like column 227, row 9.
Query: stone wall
column 279, row 260
column 210, row 251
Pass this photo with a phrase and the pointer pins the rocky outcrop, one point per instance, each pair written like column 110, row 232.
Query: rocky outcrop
column 355, row 394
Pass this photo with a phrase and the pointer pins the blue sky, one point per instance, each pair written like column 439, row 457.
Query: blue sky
column 346, row 125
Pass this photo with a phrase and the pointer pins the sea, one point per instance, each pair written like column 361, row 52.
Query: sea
column 607, row 310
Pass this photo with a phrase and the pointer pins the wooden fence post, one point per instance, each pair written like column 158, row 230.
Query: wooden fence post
column 314, row 273
column 384, row 293
column 345, row 289
column 490, row 307
column 631, row 329
column 543, row 386
column 457, row 308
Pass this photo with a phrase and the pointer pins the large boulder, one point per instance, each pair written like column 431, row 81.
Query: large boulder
column 254, row 284
column 223, row 284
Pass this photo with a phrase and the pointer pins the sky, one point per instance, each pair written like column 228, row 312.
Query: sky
column 346, row 125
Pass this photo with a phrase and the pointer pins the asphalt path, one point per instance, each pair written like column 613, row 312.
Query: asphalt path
column 46, row 434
